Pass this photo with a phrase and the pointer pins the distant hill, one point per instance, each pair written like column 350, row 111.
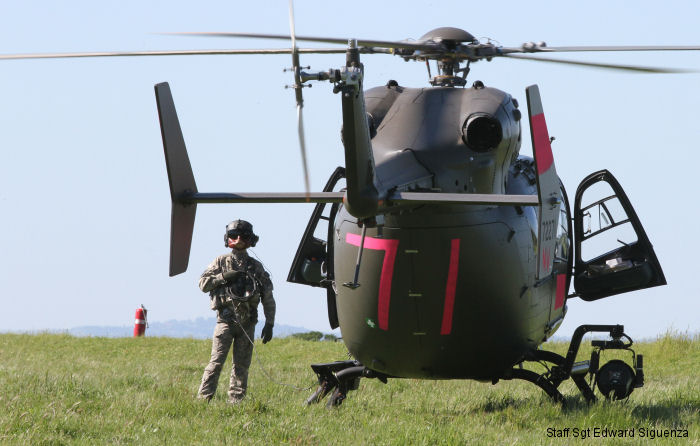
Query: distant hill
column 200, row 328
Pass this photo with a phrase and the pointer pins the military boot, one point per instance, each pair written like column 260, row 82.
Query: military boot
column 235, row 400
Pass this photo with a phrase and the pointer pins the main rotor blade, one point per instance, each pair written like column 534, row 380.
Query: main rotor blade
column 171, row 53
column 548, row 49
column 360, row 42
column 608, row 66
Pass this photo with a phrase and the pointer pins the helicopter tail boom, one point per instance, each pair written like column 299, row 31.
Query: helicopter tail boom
column 476, row 199
column 183, row 188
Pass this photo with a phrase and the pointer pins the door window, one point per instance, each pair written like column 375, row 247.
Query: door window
column 606, row 225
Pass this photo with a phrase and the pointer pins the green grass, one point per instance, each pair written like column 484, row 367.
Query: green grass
column 57, row 389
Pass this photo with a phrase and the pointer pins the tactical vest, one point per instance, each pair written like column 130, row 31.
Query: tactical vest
column 239, row 298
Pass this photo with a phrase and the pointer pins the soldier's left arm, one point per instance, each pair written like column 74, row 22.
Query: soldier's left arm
column 266, row 298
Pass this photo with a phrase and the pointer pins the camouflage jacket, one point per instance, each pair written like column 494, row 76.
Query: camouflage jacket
column 240, row 299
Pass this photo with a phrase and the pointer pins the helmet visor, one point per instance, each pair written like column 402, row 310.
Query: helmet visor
column 235, row 233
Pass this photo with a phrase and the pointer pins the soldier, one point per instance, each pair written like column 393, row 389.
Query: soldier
column 236, row 283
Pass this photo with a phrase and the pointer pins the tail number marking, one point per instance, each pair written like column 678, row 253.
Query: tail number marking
column 389, row 246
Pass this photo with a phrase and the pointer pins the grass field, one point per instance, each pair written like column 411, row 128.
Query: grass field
column 57, row 389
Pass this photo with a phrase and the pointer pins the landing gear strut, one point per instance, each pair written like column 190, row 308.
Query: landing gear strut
column 338, row 378
column 616, row 379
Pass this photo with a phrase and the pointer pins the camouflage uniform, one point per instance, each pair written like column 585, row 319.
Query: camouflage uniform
column 236, row 305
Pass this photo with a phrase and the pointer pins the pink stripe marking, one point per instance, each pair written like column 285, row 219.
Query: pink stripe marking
column 546, row 260
column 390, row 247
column 561, row 291
column 543, row 148
column 451, row 287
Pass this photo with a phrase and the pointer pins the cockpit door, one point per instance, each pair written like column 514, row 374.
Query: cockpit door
column 613, row 253
column 313, row 262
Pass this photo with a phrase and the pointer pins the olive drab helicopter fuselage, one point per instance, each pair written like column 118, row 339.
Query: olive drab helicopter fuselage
column 451, row 291
column 447, row 254
column 434, row 276
column 441, row 274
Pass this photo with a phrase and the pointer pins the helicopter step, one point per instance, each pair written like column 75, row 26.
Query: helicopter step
column 338, row 378
column 615, row 380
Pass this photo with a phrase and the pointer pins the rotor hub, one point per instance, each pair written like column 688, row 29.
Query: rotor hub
column 450, row 40
column 448, row 34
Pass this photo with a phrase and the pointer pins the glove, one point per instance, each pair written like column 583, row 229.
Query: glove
column 266, row 333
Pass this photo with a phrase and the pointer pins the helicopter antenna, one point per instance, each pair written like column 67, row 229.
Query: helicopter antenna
column 300, row 100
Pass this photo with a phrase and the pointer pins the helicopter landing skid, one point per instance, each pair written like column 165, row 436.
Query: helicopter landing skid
column 565, row 367
column 338, row 378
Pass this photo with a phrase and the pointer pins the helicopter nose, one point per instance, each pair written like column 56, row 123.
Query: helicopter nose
column 482, row 132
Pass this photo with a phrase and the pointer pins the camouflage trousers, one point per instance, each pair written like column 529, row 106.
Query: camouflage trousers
column 225, row 334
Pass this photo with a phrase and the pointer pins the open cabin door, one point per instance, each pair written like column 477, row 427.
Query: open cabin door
column 313, row 262
column 613, row 253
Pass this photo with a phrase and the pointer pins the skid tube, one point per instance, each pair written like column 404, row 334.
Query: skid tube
column 338, row 378
column 566, row 367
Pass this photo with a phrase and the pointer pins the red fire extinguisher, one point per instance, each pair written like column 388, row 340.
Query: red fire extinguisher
column 140, row 323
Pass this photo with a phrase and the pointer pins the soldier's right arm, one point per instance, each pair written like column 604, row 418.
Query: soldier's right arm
column 212, row 277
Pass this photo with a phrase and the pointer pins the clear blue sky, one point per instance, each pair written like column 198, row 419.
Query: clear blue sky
column 83, row 187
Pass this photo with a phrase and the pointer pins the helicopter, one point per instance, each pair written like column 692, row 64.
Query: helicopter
column 447, row 255
column 444, row 232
